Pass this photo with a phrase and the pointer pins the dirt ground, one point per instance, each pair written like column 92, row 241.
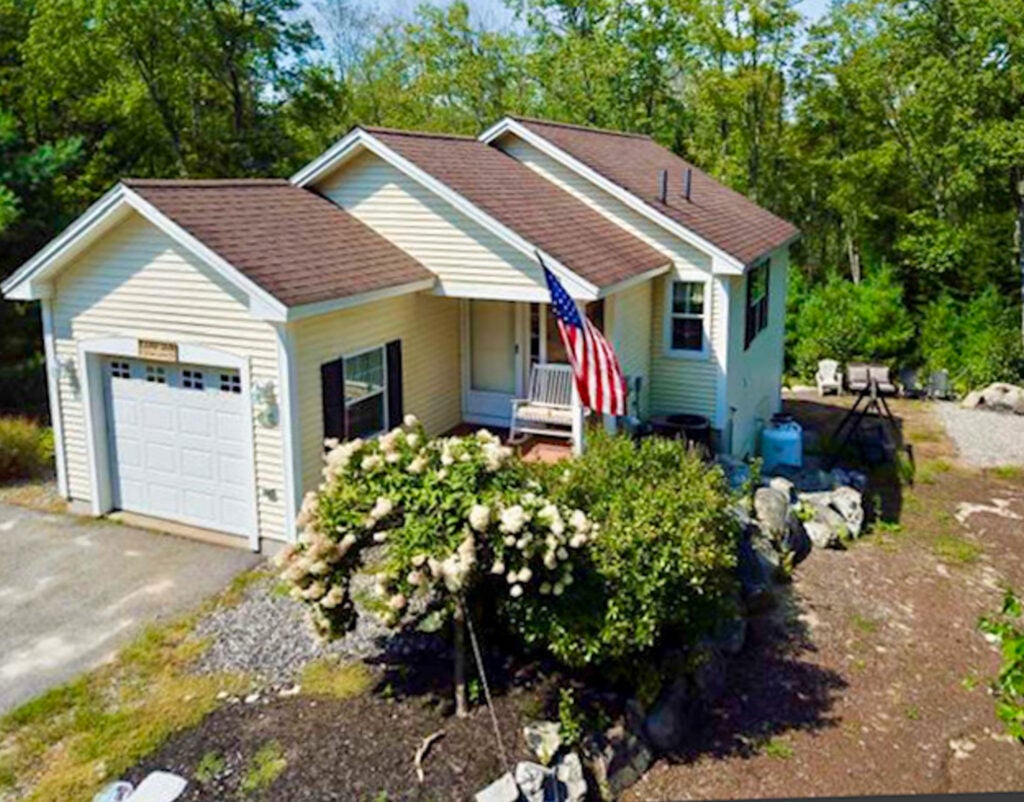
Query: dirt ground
column 871, row 678
column 360, row 749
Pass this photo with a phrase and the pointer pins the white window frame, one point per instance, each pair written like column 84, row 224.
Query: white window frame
column 383, row 392
column 670, row 315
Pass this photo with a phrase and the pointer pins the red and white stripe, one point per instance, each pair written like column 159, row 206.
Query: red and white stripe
column 599, row 378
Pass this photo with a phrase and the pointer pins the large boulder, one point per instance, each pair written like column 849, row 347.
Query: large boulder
column 669, row 721
column 771, row 507
column 796, row 541
column 753, row 574
column 826, row 516
column 999, row 396
column 822, row 535
column 848, row 503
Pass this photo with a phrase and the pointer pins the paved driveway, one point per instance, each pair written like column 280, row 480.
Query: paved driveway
column 73, row 590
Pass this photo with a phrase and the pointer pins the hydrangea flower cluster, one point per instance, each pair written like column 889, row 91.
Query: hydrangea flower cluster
column 397, row 492
column 536, row 543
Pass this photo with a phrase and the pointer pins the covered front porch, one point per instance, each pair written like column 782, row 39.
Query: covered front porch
column 502, row 342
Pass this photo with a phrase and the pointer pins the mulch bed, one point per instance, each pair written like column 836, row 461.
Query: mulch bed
column 355, row 749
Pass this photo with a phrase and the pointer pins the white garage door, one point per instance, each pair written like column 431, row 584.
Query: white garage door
column 180, row 444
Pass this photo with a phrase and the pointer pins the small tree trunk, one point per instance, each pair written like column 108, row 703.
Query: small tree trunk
column 459, row 622
column 854, row 255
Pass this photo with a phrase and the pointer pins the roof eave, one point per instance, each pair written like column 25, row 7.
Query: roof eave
column 723, row 262
column 302, row 311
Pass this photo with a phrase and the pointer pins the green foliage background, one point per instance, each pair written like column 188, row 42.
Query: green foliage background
column 891, row 132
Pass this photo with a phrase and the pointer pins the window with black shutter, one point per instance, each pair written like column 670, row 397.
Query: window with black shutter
column 757, row 302
column 362, row 392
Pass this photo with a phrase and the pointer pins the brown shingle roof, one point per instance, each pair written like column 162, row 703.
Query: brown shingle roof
column 580, row 238
column 295, row 244
column 720, row 215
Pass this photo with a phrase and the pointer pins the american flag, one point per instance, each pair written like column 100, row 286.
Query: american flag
column 599, row 379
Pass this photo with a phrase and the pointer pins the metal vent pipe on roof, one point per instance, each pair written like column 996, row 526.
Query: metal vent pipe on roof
column 663, row 186
column 687, row 183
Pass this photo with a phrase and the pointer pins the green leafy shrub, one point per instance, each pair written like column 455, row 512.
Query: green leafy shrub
column 661, row 557
column 848, row 322
column 978, row 342
column 451, row 517
column 26, row 449
column 1007, row 630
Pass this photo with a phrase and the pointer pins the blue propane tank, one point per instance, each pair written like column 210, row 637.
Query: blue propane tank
column 782, row 443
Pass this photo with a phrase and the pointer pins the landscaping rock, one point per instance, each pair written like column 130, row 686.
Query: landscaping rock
column 784, row 486
column 569, row 773
column 771, row 507
column 796, row 541
column 822, row 535
column 973, row 400
column 544, row 739
column 1003, row 397
column 848, row 503
column 617, row 759
column 531, row 779
column 668, row 722
column 755, row 581
column 840, row 510
column 503, row 789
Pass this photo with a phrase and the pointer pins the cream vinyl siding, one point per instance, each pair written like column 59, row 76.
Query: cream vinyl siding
column 682, row 383
column 428, row 327
column 137, row 282
column 755, row 374
column 629, row 327
column 676, row 384
column 459, row 251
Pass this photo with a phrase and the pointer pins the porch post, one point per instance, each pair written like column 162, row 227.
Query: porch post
column 577, row 421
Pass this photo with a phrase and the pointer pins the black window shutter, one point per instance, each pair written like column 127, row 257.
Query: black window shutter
column 765, row 302
column 749, row 320
column 394, row 361
column 332, row 388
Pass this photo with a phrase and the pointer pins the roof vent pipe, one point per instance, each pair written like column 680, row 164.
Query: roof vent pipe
column 687, row 183
column 663, row 186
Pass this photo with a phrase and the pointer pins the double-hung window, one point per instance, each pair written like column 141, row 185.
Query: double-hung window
column 366, row 393
column 686, row 311
column 757, row 302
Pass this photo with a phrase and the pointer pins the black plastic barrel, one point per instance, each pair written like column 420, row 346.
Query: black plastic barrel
column 695, row 429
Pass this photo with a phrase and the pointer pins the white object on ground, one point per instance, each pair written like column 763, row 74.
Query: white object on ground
column 159, row 786
column 114, row 792
column 1000, row 507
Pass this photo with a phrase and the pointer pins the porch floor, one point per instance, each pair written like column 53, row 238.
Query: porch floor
column 536, row 448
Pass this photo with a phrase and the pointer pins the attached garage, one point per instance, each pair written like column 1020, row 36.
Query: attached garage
column 180, row 443
column 172, row 314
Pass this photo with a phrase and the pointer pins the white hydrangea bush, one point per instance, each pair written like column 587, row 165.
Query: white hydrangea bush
column 445, row 515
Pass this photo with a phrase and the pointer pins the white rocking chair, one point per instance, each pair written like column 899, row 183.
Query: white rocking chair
column 548, row 409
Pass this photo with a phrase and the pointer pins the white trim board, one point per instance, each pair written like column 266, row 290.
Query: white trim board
column 721, row 261
column 32, row 281
column 358, row 139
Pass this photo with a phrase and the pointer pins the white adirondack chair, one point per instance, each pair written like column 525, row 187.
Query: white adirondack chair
column 548, row 408
column 828, row 377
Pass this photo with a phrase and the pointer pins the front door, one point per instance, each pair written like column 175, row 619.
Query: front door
column 494, row 361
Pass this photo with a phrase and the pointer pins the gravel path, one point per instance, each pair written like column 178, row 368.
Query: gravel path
column 982, row 437
column 267, row 636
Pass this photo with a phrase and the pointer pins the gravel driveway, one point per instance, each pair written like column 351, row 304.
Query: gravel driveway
column 73, row 590
column 982, row 437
